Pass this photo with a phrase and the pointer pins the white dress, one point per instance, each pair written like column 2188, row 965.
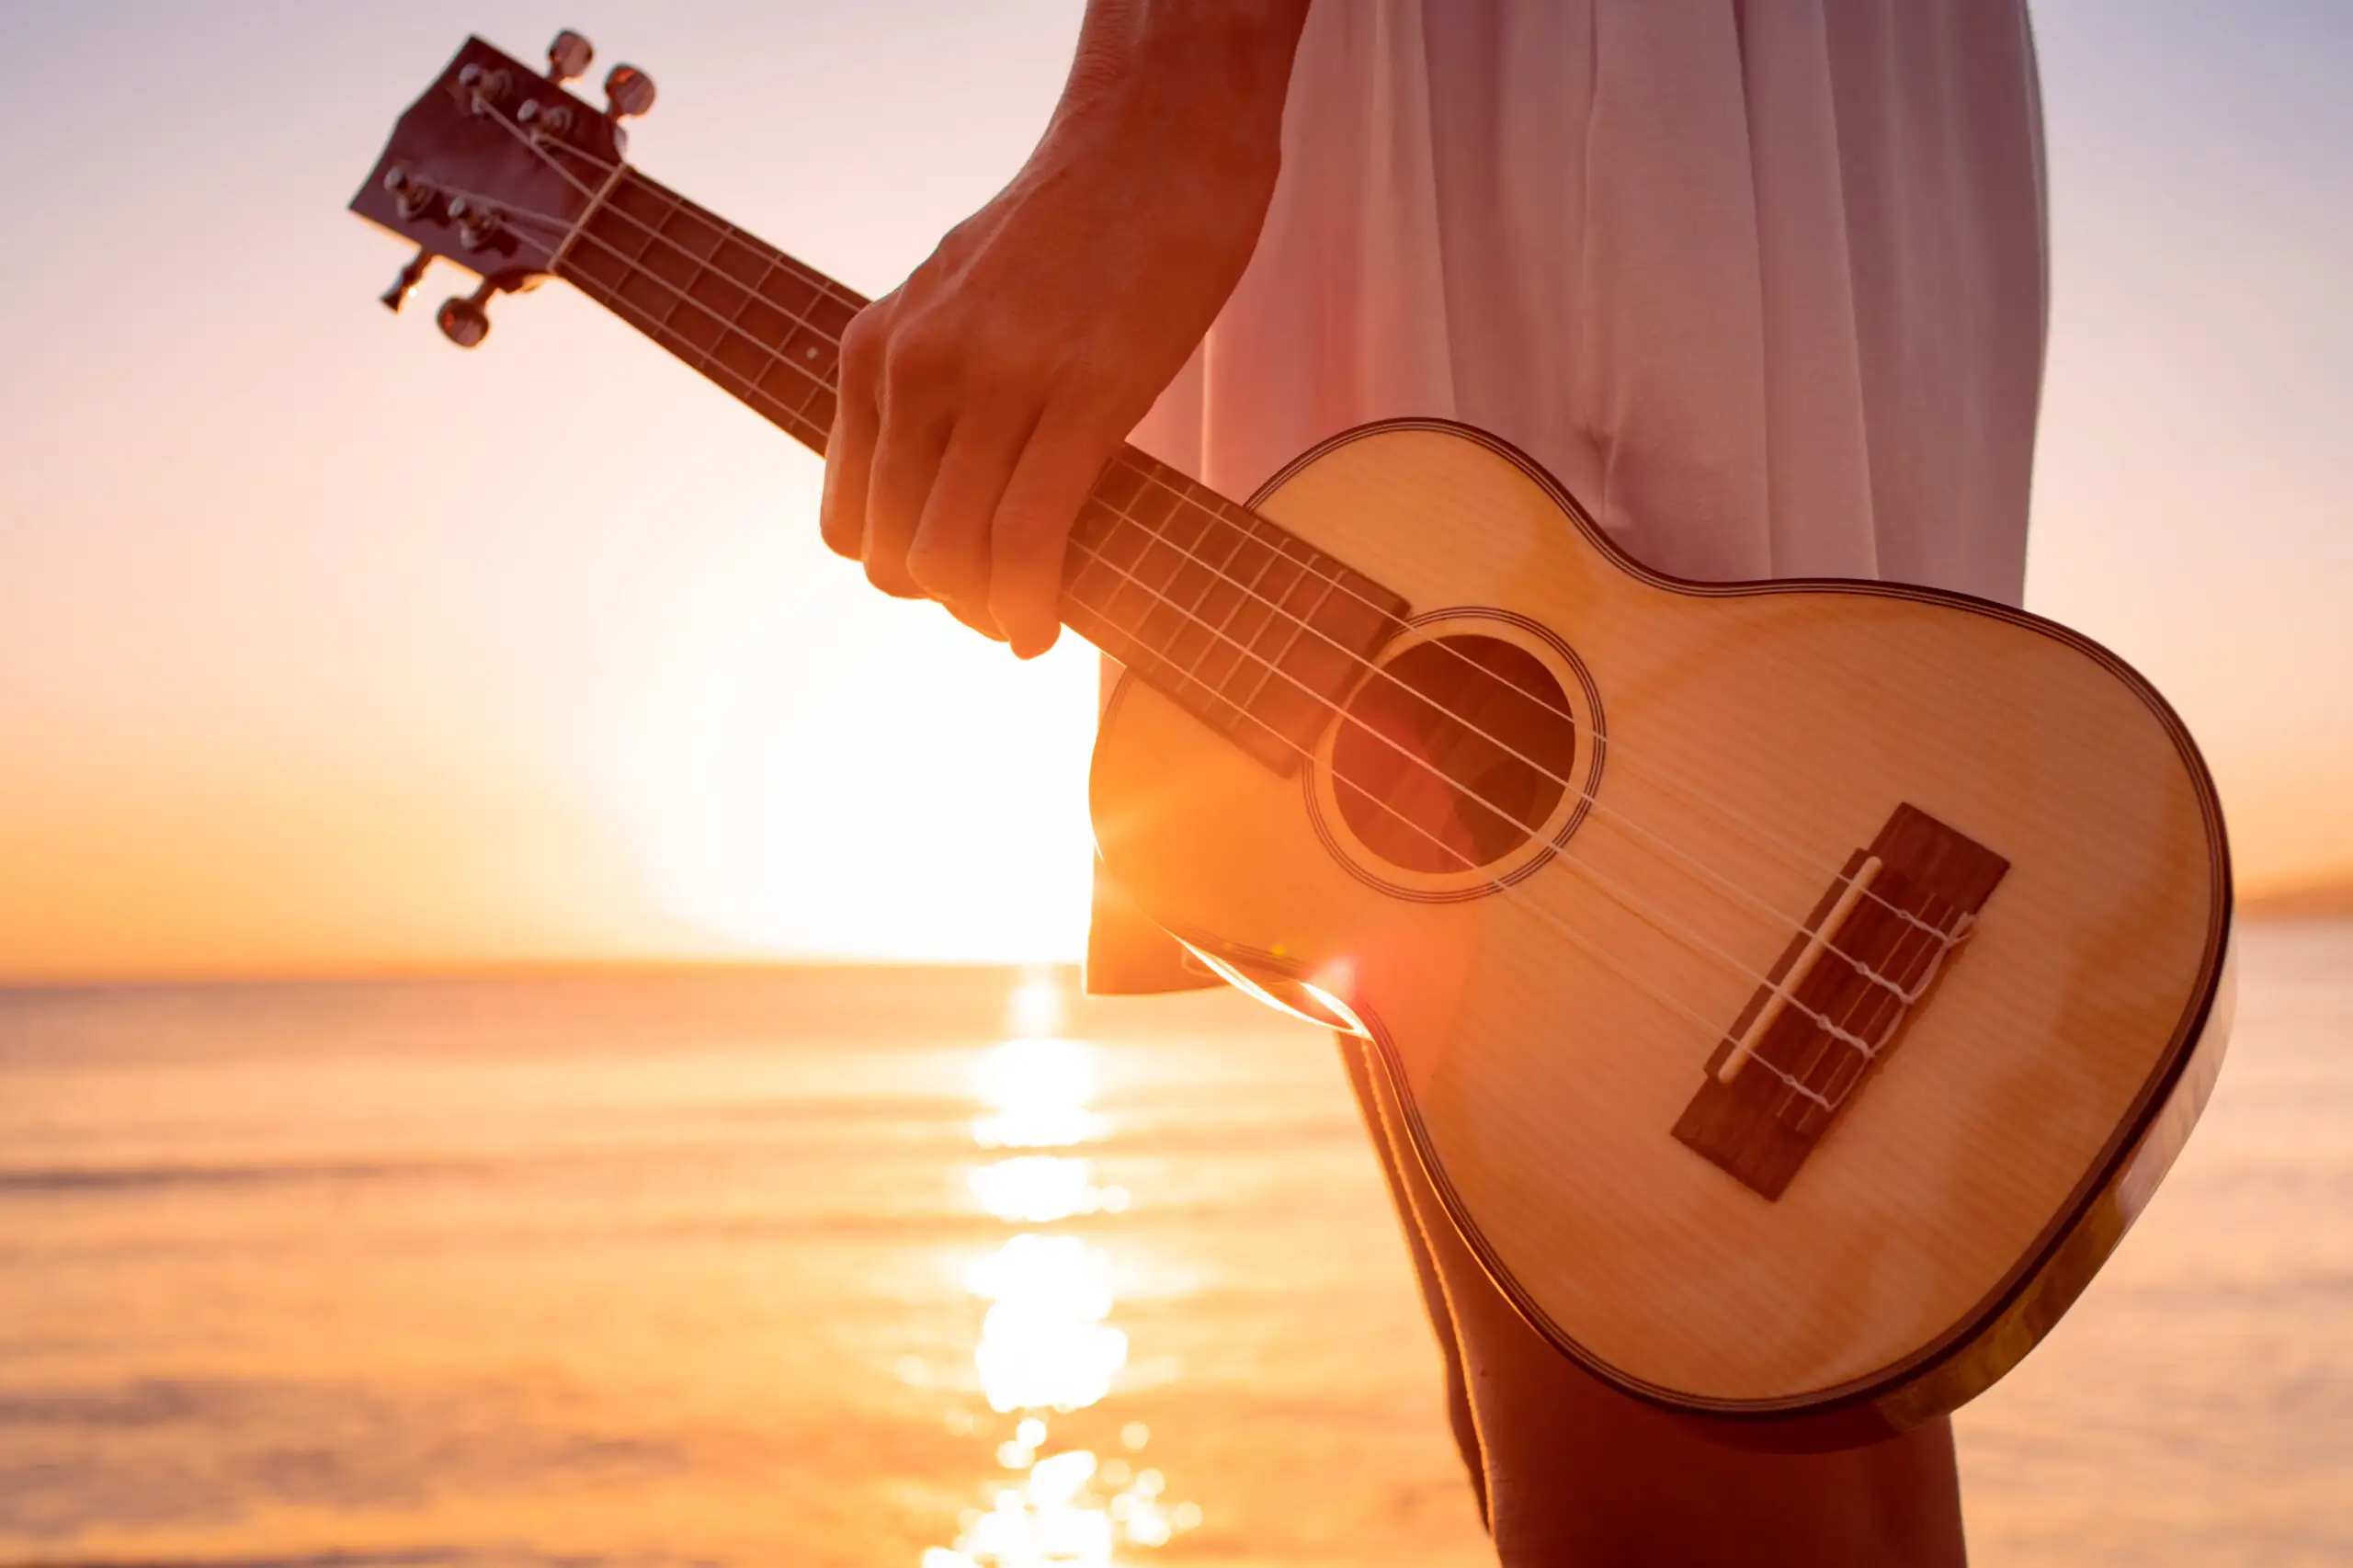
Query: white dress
column 1762, row 282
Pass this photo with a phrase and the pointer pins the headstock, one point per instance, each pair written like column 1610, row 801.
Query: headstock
column 495, row 167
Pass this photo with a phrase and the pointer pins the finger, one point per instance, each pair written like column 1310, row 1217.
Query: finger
column 849, row 461
column 920, row 380
column 849, row 446
column 906, row 460
column 948, row 556
column 1031, row 530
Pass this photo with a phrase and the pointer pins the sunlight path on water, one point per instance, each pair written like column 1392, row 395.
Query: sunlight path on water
column 1046, row 1344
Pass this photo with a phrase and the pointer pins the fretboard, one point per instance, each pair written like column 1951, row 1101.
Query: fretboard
column 1246, row 626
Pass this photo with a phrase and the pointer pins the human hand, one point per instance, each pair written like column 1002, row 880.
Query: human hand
column 980, row 400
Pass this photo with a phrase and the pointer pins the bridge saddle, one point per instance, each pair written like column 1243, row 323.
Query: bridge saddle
column 1840, row 999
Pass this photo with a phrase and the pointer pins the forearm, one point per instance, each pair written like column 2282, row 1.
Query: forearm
column 1223, row 63
column 1188, row 97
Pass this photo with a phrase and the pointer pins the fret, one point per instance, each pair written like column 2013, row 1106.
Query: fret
column 1128, row 575
column 1277, row 629
column 1284, row 703
column 1174, row 627
column 1086, row 613
column 1203, row 542
column 1247, row 627
column 1247, row 613
column 1234, row 618
column 744, row 387
column 762, row 325
column 1150, row 662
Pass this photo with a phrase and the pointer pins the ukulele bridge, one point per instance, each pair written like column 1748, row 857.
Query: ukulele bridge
column 1839, row 998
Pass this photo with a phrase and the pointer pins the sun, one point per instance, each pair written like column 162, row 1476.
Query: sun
column 914, row 793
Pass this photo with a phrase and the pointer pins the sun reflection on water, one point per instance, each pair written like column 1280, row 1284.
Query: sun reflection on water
column 1038, row 1189
column 1047, row 1345
column 1044, row 1344
column 1039, row 1088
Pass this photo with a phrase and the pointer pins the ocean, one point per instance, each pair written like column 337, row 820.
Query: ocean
column 929, row 1268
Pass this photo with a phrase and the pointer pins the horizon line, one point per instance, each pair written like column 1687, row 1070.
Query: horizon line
column 501, row 969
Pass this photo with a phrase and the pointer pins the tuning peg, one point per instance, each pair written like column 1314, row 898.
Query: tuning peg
column 568, row 56
column 628, row 92
column 545, row 119
column 490, row 86
column 413, row 194
column 405, row 284
column 466, row 322
column 478, row 221
column 393, row 298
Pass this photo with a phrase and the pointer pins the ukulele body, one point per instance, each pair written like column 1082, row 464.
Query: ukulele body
column 1549, row 1017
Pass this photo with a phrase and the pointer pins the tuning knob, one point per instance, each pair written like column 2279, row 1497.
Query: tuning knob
column 546, row 120
column 568, row 56
column 405, row 284
column 490, row 87
column 466, row 322
column 628, row 92
column 413, row 194
column 478, row 221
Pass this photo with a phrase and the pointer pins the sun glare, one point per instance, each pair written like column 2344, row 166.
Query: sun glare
column 1034, row 1008
column 923, row 797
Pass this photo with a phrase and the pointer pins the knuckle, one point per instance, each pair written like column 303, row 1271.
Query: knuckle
column 859, row 337
column 1004, row 365
column 862, row 342
column 921, row 359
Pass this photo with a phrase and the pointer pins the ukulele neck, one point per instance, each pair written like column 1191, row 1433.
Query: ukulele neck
column 1240, row 622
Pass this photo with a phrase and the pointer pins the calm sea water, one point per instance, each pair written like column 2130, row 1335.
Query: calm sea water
column 876, row 1268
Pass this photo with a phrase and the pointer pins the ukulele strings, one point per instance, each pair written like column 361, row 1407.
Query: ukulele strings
column 1633, row 902
column 1866, row 1049
column 1693, row 940
column 1905, row 996
column 1789, row 853
column 1901, row 994
column 1640, row 908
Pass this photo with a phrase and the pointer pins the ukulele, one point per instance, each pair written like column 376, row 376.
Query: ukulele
column 1793, row 989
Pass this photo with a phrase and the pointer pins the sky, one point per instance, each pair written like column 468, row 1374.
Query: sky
column 327, row 648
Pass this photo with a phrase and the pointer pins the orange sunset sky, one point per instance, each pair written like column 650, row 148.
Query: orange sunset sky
column 326, row 648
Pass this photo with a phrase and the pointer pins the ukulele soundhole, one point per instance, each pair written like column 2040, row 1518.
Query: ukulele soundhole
column 1454, row 755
